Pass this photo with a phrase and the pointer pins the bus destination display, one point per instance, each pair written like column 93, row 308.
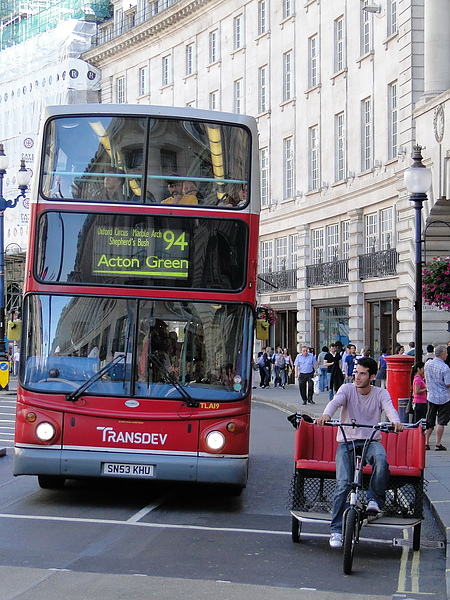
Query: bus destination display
column 153, row 252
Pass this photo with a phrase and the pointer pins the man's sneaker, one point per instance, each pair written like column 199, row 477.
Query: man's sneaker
column 336, row 540
column 373, row 508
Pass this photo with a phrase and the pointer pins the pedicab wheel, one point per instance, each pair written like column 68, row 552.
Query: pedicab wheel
column 296, row 530
column 349, row 540
column 416, row 536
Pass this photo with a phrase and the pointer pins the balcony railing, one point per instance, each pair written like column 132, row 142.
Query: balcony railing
column 278, row 281
column 378, row 264
column 327, row 273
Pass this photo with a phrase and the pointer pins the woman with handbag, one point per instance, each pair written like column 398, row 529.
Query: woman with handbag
column 419, row 392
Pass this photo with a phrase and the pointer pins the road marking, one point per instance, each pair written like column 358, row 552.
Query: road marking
column 144, row 511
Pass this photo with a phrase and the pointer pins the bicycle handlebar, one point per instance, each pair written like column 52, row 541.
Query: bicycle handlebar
column 382, row 426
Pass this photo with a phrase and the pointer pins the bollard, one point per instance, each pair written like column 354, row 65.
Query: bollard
column 398, row 379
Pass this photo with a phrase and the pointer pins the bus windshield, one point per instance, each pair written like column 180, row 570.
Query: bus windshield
column 126, row 159
column 162, row 251
column 164, row 344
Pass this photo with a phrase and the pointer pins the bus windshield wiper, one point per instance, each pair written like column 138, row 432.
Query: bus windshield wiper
column 173, row 380
column 73, row 397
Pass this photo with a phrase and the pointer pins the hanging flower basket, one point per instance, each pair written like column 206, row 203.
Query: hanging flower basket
column 266, row 313
column 436, row 282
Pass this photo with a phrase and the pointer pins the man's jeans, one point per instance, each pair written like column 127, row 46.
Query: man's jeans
column 375, row 456
column 306, row 386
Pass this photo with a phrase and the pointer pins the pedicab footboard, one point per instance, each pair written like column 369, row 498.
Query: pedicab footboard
column 313, row 481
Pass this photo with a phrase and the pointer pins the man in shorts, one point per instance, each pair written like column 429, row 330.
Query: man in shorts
column 437, row 376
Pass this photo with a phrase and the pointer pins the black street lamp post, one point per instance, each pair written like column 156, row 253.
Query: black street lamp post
column 23, row 179
column 418, row 182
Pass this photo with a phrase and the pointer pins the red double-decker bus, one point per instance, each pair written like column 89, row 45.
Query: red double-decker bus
column 138, row 311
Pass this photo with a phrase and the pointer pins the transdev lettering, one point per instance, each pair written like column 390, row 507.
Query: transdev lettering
column 132, row 437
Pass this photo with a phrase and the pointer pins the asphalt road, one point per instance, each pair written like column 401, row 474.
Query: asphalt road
column 110, row 540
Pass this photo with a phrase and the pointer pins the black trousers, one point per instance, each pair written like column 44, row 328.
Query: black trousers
column 306, row 386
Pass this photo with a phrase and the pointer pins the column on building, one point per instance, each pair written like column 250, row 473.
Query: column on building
column 436, row 47
column 355, row 286
column 304, row 326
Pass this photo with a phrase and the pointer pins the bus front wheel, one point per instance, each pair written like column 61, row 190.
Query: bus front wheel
column 51, row 482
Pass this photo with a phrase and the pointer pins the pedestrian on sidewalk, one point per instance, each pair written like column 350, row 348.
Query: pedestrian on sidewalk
column 437, row 377
column 323, row 370
column 333, row 362
column 305, row 365
column 288, row 367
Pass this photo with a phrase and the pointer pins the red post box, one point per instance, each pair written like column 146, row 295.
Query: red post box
column 398, row 381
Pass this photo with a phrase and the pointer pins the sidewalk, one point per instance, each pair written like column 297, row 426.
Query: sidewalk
column 437, row 470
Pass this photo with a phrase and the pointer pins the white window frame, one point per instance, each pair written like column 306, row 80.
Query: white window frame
column 366, row 134
column 345, row 226
column 366, row 29
column 263, row 89
column 214, row 46
column 340, row 154
column 190, row 59
column 318, row 245
column 238, row 32
column 314, row 171
column 371, row 232
column 288, row 8
column 266, row 256
column 339, row 45
column 281, row 254
column 264, row 175
column 293, row 250
column 332, row 245
column 386, row 228
column 392, row 20
column 214, row 100
column 144, row 81
column 288, row 75
column 239, row 96
column 167, row 75
column 288, row 167
column 263, row 16
column 121, row 90
column 313, row 61
column 393, row 119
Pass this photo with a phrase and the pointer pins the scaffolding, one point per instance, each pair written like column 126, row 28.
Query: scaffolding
column 21, row 20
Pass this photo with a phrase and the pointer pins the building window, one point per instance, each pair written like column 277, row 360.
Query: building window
column 317, row 245
column 266, row 256
column 120, row 90
column 238, row 32
column 214, row 100
column 287, row 76
column 393, row 119
column 366, row 29
column 239, row 96
column 288, row 8
column 263, row 16
column 264, row 171
column 280, row 254
column 213, row 46
column 263, row 81
column 288, row 163
column 332, row 245
column 118, row 20
column 339, row 41
column 167, row 70
column 392, row 17
column 339, row 136
column 371, row 231
column 313, row 50
column 190, row 59
column 293, row 248
column 313, row 158
column 386, row 228
column 345, row 239
column 143, row 81
column 366, row 136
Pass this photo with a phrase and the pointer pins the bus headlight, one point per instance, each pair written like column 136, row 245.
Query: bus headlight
column 45, row 431
column 215, row 440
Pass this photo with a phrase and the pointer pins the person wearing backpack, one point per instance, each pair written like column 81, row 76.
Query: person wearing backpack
column 279, row 362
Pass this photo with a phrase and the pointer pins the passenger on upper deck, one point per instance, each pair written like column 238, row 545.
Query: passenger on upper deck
column 113, row 184
column 236, row 196
column 176, row 194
